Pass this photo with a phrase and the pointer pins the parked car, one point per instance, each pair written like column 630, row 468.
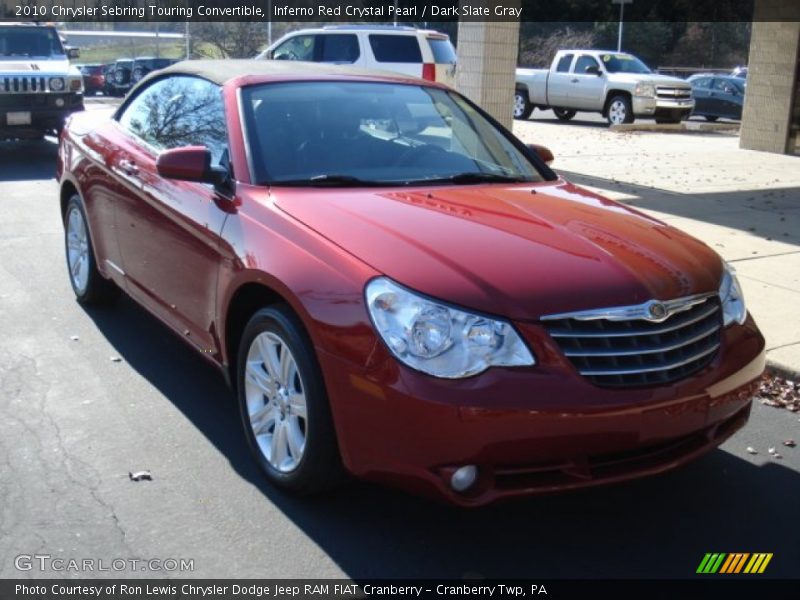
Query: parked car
column 398, row 288
column 94, row 79
column 39, row 88
column 616, row 84
column 108, row 74
column 121, row 76
column 717, row 96
column 418, row 52
column 147, row 64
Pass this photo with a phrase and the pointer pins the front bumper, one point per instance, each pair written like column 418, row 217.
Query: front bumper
column 533, row 430
column 47, row 112
column 648, row 106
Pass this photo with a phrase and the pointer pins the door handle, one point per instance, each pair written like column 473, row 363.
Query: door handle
column 576, row 80
column 128, row 167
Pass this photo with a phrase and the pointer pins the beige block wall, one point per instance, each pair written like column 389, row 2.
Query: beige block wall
column 772, row 86
column 487, row 59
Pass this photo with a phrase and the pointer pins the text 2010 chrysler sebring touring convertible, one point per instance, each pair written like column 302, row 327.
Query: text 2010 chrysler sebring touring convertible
column 398, row 288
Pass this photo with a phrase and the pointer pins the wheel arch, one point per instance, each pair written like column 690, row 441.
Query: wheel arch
column 249, row 297
column 611, row 94
column 68, row 189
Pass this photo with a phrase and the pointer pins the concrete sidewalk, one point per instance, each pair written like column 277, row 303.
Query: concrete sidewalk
column 742, row 203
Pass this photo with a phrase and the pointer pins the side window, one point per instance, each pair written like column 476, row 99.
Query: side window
column 300, row 47
column 395, row 48
column 703, row 82
column 583, row 63
column 721, row 85
column 339, row 48
column 179, row 111
column 563, row 63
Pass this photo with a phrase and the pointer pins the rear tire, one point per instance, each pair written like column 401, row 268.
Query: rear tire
column 563, row 114
column 89, row 286
column 284, row 406
column 522, row 108
column 619, row 110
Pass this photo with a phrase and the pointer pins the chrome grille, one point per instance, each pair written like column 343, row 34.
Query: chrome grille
column 23, row 85
column 613, row 350
column 670, row 92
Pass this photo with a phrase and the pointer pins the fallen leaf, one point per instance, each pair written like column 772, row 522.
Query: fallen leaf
column 140, row 476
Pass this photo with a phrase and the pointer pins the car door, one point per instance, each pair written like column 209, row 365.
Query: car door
column 168, row 230
column 701, row 90
column 726, row 96
column 586, row 89
column 558, row 82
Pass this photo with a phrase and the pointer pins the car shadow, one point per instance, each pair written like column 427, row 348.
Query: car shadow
column 656, row 527
column 28, row 160
column 770, row 213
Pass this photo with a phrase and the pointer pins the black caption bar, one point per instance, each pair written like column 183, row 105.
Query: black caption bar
column 731, row 588
column 404, row 11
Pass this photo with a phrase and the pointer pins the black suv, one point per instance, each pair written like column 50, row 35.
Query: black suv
column 144, row 65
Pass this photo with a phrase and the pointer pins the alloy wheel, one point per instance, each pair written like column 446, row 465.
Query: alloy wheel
column 519, row 105
column 77, row 250
column 276, row 402
column 617, row 112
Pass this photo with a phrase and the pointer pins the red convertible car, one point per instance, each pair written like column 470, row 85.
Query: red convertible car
column 399, row 289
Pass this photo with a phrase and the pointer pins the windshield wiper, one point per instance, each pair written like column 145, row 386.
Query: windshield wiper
column 475, row 177
column 333, row 181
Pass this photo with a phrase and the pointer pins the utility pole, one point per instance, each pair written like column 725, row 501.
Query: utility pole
column 622, row 4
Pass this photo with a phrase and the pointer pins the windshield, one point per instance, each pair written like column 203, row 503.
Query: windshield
column 623, row 63
column 354, row 133
column 29, row 42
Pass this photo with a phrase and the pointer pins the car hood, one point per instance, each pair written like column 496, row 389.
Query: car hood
column 521, row 251
column 38, row 67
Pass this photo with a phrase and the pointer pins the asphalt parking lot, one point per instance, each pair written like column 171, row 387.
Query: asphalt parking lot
column 88, row 395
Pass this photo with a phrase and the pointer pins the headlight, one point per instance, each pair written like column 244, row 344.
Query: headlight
column 76, row 85
column 56, row 84
column 730, row 292
column 438, row 339
column 644, row 89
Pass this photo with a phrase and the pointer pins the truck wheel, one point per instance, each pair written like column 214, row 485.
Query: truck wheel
column 563, row 114
column 522, row 108
column 619, row 110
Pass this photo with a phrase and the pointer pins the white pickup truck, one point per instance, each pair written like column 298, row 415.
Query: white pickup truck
column 616, row 84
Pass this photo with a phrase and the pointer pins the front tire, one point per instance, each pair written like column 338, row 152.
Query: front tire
column 563, row 114
column 89, row 286
column 522, row 108
column 284, row 405
column 619, row 110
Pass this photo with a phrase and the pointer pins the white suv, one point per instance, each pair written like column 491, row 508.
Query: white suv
column 418, row 52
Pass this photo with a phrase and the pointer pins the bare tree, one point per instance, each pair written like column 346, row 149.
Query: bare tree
column 227, row 39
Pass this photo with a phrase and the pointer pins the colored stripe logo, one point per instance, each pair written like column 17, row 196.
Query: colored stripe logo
column 736, row 562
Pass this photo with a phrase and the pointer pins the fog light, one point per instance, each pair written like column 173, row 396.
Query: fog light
column 463, row 478
column 59, row 102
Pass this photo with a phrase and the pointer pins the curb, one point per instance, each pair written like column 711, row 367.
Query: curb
column 784, row 371
column 677, row 127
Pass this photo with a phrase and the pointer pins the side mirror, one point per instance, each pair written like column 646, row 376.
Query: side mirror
column 190, row 163
column 73, row 53
column 593, row 70
column 542, row 152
